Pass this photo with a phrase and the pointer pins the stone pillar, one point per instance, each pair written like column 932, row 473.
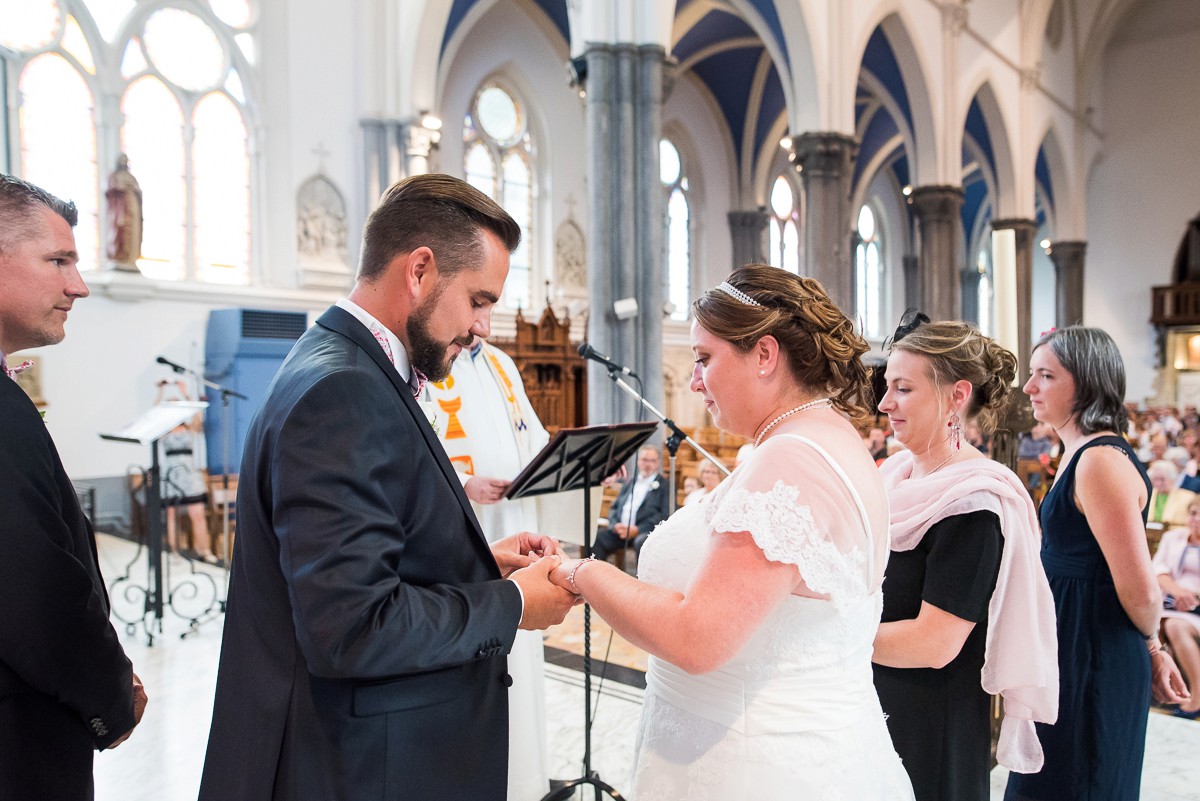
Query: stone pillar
column 826, row 164
column 912, row 281
column 970, row 295
column 938, row 211
column 625, row 87
column 747, row 230
column 1068, row 282
column 394, row 149
column 1025, row 231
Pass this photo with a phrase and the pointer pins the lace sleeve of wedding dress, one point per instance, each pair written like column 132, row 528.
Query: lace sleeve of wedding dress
column 800, row 509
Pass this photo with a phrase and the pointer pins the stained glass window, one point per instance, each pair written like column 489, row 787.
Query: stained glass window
column 153, row 133
column 58, row 142
column 868, row 261
column 678, row 235
column 784, row 226
column 498, row 161
column 181, row 89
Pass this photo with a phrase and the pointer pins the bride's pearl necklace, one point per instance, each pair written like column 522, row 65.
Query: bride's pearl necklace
column 813, row 404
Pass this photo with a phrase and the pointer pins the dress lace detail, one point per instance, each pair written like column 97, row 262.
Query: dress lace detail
column 786, row 532
column 794, row 714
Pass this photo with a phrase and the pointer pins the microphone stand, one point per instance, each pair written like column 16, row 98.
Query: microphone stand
column 677, row 438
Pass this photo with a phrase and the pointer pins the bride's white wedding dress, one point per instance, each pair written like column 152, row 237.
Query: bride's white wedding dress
column 794, row 714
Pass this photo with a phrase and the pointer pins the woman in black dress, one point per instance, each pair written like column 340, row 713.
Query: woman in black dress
column 1106, row 597
column 967, row 609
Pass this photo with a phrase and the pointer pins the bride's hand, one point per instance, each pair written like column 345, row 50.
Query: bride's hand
column 560, row 575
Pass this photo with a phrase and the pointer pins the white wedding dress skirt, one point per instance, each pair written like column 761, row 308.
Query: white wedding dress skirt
column 794, row 715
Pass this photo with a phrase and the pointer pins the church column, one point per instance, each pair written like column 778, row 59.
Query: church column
column 826, row 164
column 395, row 149
column 747, row 229
column 1015, row 284
column 1068, row 279
column 970, row 294
column 624, row 95
column 939, row 226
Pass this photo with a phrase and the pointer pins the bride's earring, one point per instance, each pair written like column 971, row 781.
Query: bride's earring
column 955, row 430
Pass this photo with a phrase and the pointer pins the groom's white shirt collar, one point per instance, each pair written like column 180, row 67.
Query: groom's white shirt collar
column 399, row 354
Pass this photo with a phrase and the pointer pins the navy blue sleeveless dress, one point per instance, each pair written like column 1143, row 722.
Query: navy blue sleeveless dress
column 1094, row 752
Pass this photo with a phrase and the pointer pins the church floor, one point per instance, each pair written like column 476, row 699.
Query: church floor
column 162, row 760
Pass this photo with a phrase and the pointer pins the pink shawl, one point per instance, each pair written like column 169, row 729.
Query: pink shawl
column 1021, row 655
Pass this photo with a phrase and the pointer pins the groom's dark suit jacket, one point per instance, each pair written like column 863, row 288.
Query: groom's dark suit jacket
column 364, row 654
column 66, row 687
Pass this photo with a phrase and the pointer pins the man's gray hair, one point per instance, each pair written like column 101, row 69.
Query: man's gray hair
column 1162, row 467
column 1092, row 359
column 18, row 202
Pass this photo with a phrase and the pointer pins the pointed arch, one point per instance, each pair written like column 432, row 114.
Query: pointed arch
column 1005, row 201
column 914, row 75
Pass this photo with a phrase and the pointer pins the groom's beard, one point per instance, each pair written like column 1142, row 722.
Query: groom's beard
column 428, row 355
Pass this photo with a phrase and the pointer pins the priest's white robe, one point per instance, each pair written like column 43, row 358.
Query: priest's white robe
column 489, row 429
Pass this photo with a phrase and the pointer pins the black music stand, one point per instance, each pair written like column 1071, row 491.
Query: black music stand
column 147, row 430
column 577, row 458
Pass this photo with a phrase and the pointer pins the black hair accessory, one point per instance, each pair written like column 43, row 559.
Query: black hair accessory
column 909, row 322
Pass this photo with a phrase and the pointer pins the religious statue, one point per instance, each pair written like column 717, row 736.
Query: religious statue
column 124, row 202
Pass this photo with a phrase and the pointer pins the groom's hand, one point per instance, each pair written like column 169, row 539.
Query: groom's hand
column 513, row 553
column 545, row 604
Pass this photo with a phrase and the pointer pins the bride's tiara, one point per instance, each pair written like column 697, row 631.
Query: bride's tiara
column 737, row 294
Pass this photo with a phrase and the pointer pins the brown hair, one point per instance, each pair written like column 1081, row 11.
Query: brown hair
column 822, row 349
column 957, row 351
column 437, row 211
column 19, row 200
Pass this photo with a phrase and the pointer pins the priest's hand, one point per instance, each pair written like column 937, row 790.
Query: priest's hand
column 523, row 549
column 486, row 490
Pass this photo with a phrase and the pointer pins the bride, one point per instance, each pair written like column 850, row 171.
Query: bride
column 760, row 604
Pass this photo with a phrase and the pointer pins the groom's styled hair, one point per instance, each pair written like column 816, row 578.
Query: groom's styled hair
column 19, row 200
column 440, row 212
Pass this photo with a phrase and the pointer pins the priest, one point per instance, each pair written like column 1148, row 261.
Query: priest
column 483, row 417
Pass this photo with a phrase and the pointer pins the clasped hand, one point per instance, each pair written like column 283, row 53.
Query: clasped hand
column 530, row 559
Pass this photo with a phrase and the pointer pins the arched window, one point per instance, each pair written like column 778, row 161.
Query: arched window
column 498, row 160
column 677, row 242
column 784, row 226
column 175, row 79
column 983, row 263
column 868, row 263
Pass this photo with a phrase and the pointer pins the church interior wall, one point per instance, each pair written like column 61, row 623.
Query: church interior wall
column 509, row 45
column 1145, row 187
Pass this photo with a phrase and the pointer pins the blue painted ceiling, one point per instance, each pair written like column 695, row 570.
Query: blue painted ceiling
column 729, row 53
column 556, row 10
column 879, row 60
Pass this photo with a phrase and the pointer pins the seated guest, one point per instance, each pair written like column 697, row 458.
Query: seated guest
column 1168, row 503
column 1177, row 565
column 641, row 505
column 1036, row 443
column 876, row 442
column 710, row 477
column 1181, row 457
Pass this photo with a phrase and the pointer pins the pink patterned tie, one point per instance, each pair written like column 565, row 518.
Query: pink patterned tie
column 387, row 349
column 11, row 372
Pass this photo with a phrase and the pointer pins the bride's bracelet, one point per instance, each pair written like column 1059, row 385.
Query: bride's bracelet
column 574, row 570
column 1154, row 646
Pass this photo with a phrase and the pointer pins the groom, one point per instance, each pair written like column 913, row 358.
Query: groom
column 368, row 623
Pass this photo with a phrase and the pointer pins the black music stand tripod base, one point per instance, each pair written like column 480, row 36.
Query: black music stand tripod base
column 577, row 458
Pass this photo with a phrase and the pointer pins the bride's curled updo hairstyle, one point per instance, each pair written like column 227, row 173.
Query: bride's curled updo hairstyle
column 957, row 351
column 821, row 348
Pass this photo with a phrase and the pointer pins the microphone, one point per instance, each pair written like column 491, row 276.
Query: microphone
column 176, row 367
column 588, row 352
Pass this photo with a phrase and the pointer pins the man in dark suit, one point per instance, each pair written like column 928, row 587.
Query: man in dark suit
column 368, row 624
column 642, row 504
column 66, row 687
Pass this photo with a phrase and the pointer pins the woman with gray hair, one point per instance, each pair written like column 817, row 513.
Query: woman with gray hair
column 1106, row 598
